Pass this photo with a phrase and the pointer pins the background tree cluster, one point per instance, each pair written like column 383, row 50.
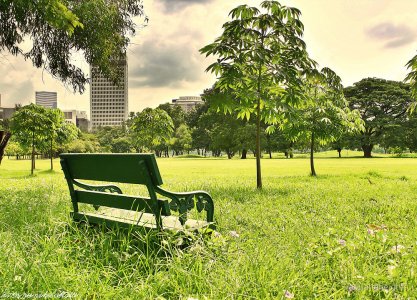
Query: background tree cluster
column 38, row 130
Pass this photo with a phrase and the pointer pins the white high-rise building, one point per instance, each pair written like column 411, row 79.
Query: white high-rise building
column 46, row 99
column 108, row 102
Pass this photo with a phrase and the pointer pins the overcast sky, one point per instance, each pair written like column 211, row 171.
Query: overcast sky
column 356, row 38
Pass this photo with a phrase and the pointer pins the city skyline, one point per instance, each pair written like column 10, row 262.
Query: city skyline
column 356, row 39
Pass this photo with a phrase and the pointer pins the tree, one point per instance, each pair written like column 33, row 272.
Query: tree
column 182, row 140
column 58, row 131
column 326, row 115
column 412, row 79
column 151, row 127
column 258, row 55
column 224, row 137
column 108, row 136
column 29, row 125
column 4, row 139
column 15, row 149
column 59, row 28
column 176, row 113
column 121, row 145
column 381, row 103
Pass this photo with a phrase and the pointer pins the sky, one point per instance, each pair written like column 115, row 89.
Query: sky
column 356, row 38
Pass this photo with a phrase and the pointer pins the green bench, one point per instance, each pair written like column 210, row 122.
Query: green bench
column 115, row 208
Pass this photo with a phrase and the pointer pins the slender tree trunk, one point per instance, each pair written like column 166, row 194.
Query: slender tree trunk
column 258, row 143
column 313, row 171
column 244, row 152
column 33, row 154
column 4, row 139
column 339, row 151
column 52, row 163
column 367, row 150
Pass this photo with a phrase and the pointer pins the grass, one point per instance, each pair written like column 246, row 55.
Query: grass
column 350, row 233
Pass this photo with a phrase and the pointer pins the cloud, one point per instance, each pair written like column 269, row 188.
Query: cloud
column 172, row 6
column 163, row 65
column 17, row 86
column 393, row 35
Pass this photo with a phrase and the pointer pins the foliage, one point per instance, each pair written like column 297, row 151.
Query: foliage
column 326, row 116
column 382, row 104
column 151, row 127
column 281, row 141
column 14, row 149
column 58, row 131
column 29, row 126
column 258, row 55
column 121, row 145
column 182, row 140
column 86, row 143
column 246, row 137
column 176, row 113
column 59, row 28
column 412, row 79
column 108, row 136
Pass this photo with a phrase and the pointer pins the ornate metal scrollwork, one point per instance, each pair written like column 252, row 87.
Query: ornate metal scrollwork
column 98, row 188
column 184, row 202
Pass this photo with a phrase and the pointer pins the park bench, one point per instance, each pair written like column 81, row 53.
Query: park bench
column 115, row 208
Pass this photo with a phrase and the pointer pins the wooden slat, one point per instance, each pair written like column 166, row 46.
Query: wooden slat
column 129, row 218
column 126, row 168
column 120, row 201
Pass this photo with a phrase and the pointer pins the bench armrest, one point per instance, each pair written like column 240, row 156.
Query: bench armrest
column 185, row 201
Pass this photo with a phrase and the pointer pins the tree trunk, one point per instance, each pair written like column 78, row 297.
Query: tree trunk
column 367, row 150
column 339, row 151
column 33, row 154
column 313, row 171
column 52, row 163
column 4, row 139
column 258, row 145
column 244, row 152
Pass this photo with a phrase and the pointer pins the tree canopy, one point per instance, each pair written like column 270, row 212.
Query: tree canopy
column 260, row 54
column 412, row 79
column 382, row 104
column 151, row 127
column 326, row 115
column 29, row 126
column 59, row 28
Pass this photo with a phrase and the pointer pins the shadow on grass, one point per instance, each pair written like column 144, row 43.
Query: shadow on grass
column 27, row 175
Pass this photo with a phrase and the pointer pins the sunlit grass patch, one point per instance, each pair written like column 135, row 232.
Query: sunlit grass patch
column 349, row 233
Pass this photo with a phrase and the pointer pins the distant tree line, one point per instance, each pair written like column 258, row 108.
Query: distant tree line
column 169, row 131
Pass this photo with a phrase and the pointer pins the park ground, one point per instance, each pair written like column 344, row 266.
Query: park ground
column 350, row 233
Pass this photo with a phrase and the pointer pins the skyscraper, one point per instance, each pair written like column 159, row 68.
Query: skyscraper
column 108, row 102
column 46, row 99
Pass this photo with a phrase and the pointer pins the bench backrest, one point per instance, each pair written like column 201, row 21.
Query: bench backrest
column 124, row 168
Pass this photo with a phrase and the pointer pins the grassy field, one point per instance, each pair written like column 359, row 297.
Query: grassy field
column 350, row 233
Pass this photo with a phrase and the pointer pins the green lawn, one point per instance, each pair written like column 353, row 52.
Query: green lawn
column 349, row 233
